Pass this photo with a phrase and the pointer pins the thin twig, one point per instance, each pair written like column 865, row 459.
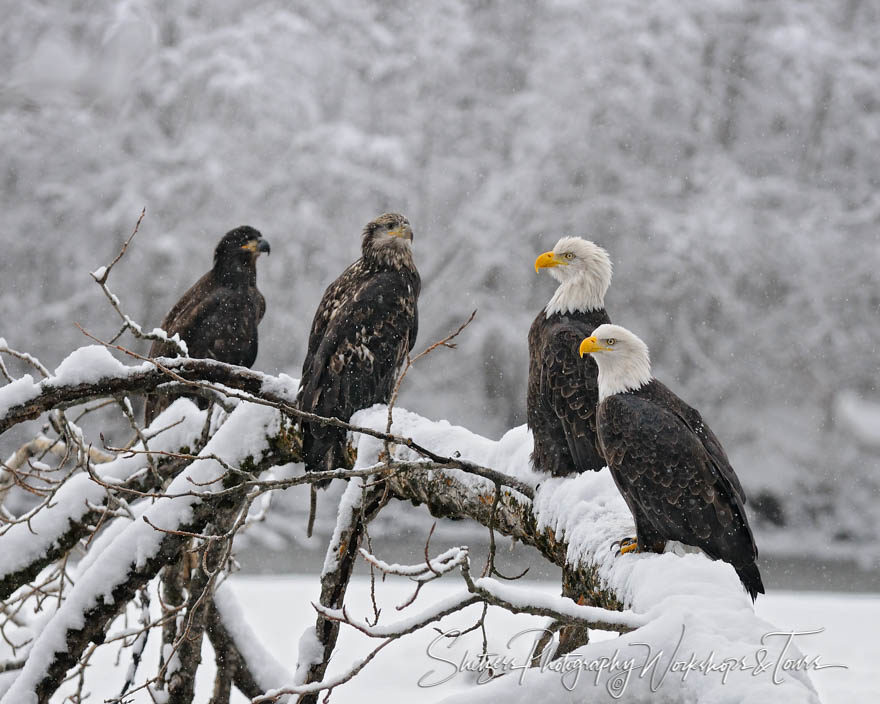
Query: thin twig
column 445, row 342
column 25, row 357
column 103, row 278
column 127, row 322
column 489, row 570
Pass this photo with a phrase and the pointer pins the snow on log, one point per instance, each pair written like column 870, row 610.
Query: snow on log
column 138, row 552
column 257, row 671
column 27, row 547
column 688, row 603
column 696, row 609
column 92, row 372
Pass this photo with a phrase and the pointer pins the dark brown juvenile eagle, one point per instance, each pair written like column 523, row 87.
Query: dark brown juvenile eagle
column 563, row 391
column 218, row 317
column 667, row 463
column 363, row 329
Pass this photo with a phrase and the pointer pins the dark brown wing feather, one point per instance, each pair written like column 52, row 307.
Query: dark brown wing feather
column 359, row 339
column 563, row 393
column 216, row 322
column 691, row 417
column 336, row 294
column 671, row 481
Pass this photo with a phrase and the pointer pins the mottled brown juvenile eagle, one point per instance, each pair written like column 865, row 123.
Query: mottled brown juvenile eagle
column 363, row 329
column 218, row 317
column 667, row 463
column 563, row 391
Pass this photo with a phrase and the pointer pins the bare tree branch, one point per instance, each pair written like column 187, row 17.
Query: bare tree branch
column 100, row 276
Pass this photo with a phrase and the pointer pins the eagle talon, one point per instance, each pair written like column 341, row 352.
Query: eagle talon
column 625, row 545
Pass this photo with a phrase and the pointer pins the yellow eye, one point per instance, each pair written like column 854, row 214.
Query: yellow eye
column 610, row 341
column 568, row 255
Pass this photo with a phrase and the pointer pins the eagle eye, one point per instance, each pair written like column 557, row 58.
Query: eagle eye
column 568, row 255
column 610, row 341
column 389, row 226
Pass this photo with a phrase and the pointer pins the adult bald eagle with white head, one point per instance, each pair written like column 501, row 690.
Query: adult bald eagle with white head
column 667, row 463
column 562, row 390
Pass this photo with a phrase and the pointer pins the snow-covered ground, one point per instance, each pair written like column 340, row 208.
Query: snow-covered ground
column 277, row 609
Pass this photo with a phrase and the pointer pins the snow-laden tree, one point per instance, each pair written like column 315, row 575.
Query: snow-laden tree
column 125, row 544
column 724, row 152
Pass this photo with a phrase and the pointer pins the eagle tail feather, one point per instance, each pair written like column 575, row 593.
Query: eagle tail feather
column 751, row 579
column 322, row 452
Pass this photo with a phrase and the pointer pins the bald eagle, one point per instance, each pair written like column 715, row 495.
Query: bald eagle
column 363, row 329
column 218, row 316
column 667, row 463
column 563, row 392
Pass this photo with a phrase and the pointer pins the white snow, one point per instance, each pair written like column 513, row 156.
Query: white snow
column 521, row 597
column 24, row 541
column 84, row 365
column 688, row 604
column 350, row 502
column 16, row 392
column 87, row 365
column 281, row 385
column 162, row 335
column 416, row 616
column 442, row 563
column 510, row 454
column 267, row 671
column 244, row 434
column 689, row 601
column 278, row 610
column 309, row 652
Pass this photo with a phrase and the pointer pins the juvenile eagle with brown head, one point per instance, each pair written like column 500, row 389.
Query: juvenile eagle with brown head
column 562, row 391
column 667, row 463
column 364, row 327
column 218, row 316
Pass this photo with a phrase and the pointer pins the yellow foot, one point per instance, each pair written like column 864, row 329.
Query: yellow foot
column 626, row 545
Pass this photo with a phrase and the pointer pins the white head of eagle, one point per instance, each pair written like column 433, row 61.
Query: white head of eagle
column 623, row 359
column 583, row 270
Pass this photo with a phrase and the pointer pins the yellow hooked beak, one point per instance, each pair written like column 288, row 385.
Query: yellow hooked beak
column 257, row 246
column 590, row 345
column 403, row 232
column 548, row 260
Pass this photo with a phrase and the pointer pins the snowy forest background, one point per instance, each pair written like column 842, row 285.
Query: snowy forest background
column 727, row 154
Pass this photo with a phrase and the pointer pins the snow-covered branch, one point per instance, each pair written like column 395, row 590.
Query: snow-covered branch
column 48, row 534
column 358, row 506
column 486, row 590
column 238, row 649
column 92, row 372
column 572, row 522
column 682, row 603
column 491, row 591
column 136, row 555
